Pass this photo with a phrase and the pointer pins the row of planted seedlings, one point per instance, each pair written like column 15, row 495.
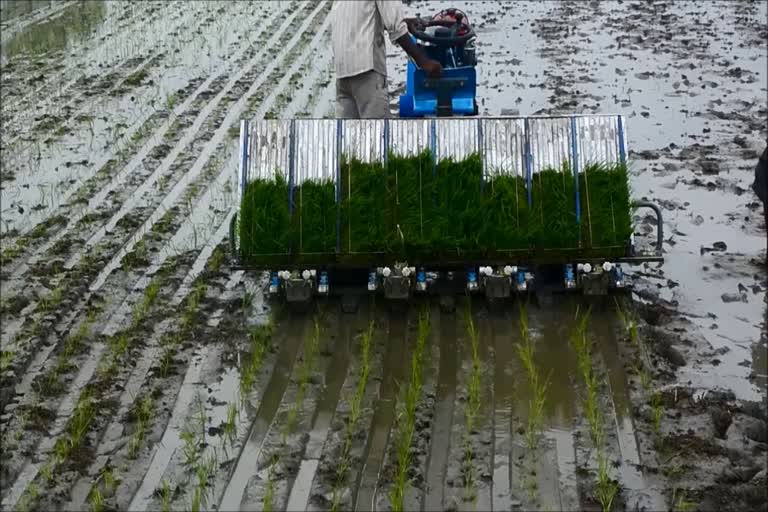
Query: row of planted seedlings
column 654, row 400
column 284, row 443
column 412, row 206
column 469, row 473
column 95, row 405
column 190, row 481
column 605, row 490
column 88, row 266
column 179, row 338
column 343, row 453
column 537, row 384
column 404, row 454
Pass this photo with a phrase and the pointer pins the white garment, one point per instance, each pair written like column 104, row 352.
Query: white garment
column 358, row 34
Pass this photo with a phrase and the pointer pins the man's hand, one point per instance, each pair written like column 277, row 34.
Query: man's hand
column 432, row 68
column 429, row 66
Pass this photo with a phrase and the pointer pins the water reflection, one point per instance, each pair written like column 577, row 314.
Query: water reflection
column 74, row 23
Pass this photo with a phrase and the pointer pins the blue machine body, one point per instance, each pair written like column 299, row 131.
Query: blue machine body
column 452, row 94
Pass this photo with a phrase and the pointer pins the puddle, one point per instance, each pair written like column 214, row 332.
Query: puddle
column 247, row 461
column 440, row 441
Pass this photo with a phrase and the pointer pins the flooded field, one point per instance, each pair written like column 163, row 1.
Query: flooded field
column 140, row 372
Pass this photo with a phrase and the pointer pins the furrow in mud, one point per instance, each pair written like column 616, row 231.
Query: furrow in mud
column 394, row 375
column 113, row 435
column 440, row 443
column 502, row 338
column 320, row 428
column 247, row 462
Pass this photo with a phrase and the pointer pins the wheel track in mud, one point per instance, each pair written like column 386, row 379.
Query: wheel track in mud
column 285, row 443
column 47, row 89
column 338, row 372
column 439, row 447
column 86, row 86
column 180, row 184
column 246, row 462
column 383, row 420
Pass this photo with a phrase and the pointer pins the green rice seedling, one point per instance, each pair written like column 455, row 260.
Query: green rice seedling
column 28, row 498
column 410, row 203
column 197, row 498
column 355, row 412
column 657, row 412
column 507, row 221
column 6, row 358
column 165, row 495
column 460, row 208
column 47, row 471
column 364, row 207
column 217, row 258
column 553, row 221
column 96, row 500
column 606, row 488
column 269, row 493
column 230, row 425
column 680, row 502
column 108, row 477
column 538, row 385
column 190, row 448
column 265, row 218
column 144, row 411
column 407, row 415
column 311, row 349
column 81, row 419
column 260, row 339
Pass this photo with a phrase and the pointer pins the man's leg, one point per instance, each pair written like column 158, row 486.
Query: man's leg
column 370, row 90
column 346, row 106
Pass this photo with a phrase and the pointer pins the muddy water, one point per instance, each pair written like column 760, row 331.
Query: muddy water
column 247, row 463
column 440, row 441
column 384, row 412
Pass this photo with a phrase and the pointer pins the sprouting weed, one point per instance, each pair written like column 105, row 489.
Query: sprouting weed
column 165, row 495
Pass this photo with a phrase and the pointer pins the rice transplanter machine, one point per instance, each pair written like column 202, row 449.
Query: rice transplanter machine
column 439, row 115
